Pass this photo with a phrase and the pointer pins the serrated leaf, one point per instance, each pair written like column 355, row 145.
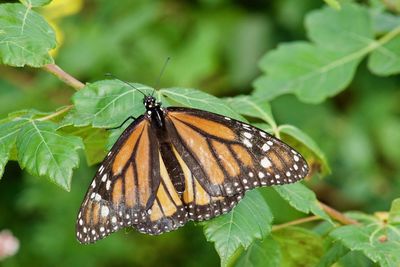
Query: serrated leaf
column 317, row 158
column 312, row 73
column 34, row 3
column 384, row 22
column 394, row 213
column 334, row 253
column 8, row 135
column 94, row 140
column 25, row 37
column 316, row 71
column 378, row 241
column 252, row 107
column 347, row 30
column 299, row 247
column 45, row 152
column 386, row 60
column 302, row 199
column 250, row 220
column 198, row 99
column 261, row 253
column 106, row 104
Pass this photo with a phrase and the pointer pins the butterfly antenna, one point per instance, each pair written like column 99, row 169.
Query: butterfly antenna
column 161, row 73
column 130, row 85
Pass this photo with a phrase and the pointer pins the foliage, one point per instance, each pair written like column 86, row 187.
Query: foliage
column 336, row 93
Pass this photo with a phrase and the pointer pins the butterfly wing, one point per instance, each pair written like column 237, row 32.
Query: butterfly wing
column 225, row 157
column 131, row 188
column 220, row 159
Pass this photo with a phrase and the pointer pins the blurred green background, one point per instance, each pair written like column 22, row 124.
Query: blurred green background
column 215, row 46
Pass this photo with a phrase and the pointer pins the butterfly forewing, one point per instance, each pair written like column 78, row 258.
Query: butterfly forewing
column 124, row 187
column 227, row 156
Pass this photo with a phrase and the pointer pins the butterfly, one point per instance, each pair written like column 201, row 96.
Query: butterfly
column 173, row 165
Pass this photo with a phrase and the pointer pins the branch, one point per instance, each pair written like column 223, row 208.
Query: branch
column 337, row 215
column 63, row 76
column 295, row 222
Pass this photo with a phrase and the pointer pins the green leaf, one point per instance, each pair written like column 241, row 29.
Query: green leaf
column 312, row 73
column 106, row 104
column 197, row 99
column 366, row 239
column 377, row 239
column 347, row 30
column 35, row 3
column 299, row 247
column 302, row 199
column 385, row 60
column 250, row 220
column 25, row 37
column 94, row 140
column 334, row 253
column 261, row 253
column 333, row 3
column 384, row 22
column 252, row 107
column 394, row 213
column 314, row 155
column 315, row 71
column 8, row 135
column 44, row 151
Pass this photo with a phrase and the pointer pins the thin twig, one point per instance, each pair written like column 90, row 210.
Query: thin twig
column 337, row 215
column 55, row 114
column 295, row 222
column 65, row 77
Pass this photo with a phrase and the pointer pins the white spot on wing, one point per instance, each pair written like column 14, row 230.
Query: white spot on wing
column 108, row 185
column 266, row 163
column 104, row 211
column 246, row 142
column 265, row 147
column 248, row 135
column 104, row 178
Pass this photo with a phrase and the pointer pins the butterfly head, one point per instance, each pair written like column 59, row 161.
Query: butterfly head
column 150, row 102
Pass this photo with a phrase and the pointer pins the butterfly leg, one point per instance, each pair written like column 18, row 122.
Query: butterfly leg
column 129, row 118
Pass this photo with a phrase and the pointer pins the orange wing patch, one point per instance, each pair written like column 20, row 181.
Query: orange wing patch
column 142, row 163
column 130, row 194
column 167, row 200
column 126, row 150
column 117, row 192
column 210, row 127
column 200, row 148
column 243, row 155
column 226, row 158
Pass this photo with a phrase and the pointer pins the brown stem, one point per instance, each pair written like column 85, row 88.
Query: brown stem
column 65, row 77
column 337, row 215
column 295, row 222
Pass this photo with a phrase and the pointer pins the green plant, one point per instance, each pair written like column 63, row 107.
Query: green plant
column 48, row 143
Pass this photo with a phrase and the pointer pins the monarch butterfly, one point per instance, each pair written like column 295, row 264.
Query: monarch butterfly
column 172, row 165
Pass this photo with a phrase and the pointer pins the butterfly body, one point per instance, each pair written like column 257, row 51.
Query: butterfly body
column 174, row 164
